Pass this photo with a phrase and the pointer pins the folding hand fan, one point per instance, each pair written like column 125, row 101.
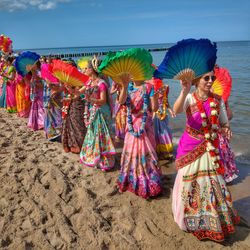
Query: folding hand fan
column 223, row 83
column 46, row 73
column 25, row 61
column 5, row 44
column 136, row 62
column 68, row 74
column 187, row 60
column 82, row 63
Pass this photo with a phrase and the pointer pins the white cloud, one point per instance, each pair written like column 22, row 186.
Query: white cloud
column 14, row 5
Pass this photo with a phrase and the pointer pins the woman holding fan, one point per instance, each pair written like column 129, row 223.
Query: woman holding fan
column 163, row 134
column 36, row 115
column 9, row 80
column 98, row 149
column 139, row 171
column 202, row 203
column 73, row 128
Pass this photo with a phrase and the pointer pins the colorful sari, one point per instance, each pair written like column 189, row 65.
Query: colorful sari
column 139, row 171
column 2, row 87
column 163, row 134
column 22, row 97
column 53, row 114
column 36, row 115
column 3, row 94
column 73, row 128
column 120, row 120
column 11, row 91
column 228, row 158
column 202, row 203
column 98, row 149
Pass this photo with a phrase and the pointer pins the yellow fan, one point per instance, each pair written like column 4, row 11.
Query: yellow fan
column 82, row 63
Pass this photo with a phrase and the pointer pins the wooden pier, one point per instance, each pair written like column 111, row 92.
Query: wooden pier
column 73, row 55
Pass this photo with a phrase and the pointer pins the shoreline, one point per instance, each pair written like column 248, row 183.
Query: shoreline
column 48, row 200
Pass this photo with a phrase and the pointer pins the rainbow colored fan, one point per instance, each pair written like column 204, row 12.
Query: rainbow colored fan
column 223, row 84
column 46, row 74
column 136, row 62
column 68, row 74
column 187, row 60
column 82, row 63
column 5, row 44
column 25, row 61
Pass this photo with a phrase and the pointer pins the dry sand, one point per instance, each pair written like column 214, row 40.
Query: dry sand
column 49, row 201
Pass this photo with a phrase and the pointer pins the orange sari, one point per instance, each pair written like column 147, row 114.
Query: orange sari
column 22, row 97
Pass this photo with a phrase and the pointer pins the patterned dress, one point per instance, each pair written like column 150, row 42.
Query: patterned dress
column 2, row 87
column 11, row 91
column 73, row 128
column 163, row 134
column 139, row 171
column 228, row 157
column 120, row 115
column 36, row 115
column 22, row 97
column 202, row 203
column 3, row 94
column 53, row 114
column 98, row 149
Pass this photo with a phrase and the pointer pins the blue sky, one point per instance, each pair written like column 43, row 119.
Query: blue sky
column 69, row 23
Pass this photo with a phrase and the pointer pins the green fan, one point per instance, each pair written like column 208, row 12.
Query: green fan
column 136, row 62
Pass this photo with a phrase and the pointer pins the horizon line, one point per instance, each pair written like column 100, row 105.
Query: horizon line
column 101, row 46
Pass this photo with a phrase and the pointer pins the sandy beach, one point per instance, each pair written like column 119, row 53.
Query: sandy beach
column 49, row 201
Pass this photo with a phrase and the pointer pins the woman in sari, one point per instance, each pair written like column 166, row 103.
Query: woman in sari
column 36, row 115
column 10, row 74
column 227, row 154
column 202, row 203
column 23, row 95
column 163, row 134
column 53, row 111
column 2, row 84
column 73, row 128
column 120, row 114
column 139, row 172
column 98, row 149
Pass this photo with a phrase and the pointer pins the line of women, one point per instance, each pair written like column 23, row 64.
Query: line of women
column 81, row 118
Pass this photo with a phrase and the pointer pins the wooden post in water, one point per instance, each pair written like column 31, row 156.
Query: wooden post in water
column 102, row 53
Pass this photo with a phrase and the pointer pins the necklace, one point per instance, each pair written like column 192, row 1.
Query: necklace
column 203, row 98
column 144, row 117
column 210, row 126
column 90, row 112
column 162, row 111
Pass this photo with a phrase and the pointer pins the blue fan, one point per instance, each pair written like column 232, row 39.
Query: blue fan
column 187, row 60
column 25, row 61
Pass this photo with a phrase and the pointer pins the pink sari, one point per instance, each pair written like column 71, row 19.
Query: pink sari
column 139, row 171
column 11, row 92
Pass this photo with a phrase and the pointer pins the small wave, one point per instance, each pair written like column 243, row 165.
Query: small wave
column 242, row 158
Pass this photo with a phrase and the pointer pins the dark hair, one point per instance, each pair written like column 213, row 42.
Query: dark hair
column 70, row 61
column 10, row 59
column 38, row 64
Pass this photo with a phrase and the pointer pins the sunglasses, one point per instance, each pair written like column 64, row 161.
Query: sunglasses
column 207, row 78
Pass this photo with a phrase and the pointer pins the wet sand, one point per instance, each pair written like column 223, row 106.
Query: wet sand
column 49, row 201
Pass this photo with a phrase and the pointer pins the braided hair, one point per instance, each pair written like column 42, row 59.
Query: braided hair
column 94, row 64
